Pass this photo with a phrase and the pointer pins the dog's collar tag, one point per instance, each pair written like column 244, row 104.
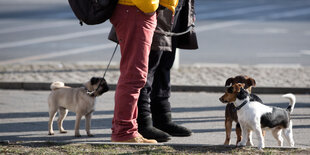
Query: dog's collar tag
column 240, row 106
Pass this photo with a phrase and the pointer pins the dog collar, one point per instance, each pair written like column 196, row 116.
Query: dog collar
column 90, row 93
column 240, row 106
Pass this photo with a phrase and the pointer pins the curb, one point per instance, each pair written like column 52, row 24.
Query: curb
column 176, row 88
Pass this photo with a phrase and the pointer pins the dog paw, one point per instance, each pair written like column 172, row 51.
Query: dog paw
column 249, row 143
column 241, row 144
column 260, row 147
column 90, row 135
column 64, row 131
column 226, row 143
column 51, row 133
column 77, row 135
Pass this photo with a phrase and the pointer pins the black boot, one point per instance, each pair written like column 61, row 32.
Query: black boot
column 164, row 123
column 148, row 131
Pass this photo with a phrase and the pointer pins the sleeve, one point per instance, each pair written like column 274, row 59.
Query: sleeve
column 170, row 4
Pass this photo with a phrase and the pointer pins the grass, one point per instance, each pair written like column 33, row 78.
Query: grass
column 65, row 148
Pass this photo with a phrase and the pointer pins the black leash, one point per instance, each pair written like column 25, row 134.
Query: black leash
column 91, row 93
column 110, row 61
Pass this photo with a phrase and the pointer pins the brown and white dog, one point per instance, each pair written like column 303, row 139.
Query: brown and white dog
column 254, row 116
column 230, row 113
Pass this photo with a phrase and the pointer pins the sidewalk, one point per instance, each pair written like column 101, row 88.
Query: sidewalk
column 24, row 117
column 270, row 79
column 195, row 104
column 190, row 75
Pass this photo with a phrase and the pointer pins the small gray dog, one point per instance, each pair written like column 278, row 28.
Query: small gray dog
column 79, row 100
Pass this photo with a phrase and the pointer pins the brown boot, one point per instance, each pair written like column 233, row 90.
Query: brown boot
column 139, row 139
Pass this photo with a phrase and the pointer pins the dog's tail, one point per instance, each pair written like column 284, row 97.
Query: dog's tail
column 57, row 85
column 292, row 99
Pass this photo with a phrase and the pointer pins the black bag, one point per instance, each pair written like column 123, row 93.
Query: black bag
column 93, row 12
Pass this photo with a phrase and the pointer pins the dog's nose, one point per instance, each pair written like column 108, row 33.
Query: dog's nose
column 221, row 99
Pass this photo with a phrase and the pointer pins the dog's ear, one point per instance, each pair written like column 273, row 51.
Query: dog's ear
column 251, row 82
column 230, row 90
column 94, row 80
column 229, row 81
column 90, row 84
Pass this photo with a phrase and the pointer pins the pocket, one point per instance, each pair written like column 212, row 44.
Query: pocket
column 120, row 14
column 147, row 21
column 147, row 28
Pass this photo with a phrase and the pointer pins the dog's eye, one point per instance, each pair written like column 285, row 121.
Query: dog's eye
column 230, row 90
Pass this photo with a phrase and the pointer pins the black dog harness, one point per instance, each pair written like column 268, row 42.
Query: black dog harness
column 240, row 106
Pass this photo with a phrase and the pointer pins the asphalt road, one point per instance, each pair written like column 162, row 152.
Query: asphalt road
column 231, row 32
column 24, row 117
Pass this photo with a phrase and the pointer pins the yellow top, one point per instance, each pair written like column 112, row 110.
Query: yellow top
column 148, row 6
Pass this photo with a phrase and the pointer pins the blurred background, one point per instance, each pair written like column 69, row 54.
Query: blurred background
column 245, row 32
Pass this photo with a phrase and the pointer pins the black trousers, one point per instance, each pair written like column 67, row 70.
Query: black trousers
column 157, row 90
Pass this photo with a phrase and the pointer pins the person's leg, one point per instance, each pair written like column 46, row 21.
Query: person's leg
column 134, row 30
column 160, row 105
column 144, row 98
column 145, row 123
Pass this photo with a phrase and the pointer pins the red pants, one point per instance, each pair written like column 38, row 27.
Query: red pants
column 135, row 31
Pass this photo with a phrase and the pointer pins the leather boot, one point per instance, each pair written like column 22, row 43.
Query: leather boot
column 164, row 123
column 147, row 130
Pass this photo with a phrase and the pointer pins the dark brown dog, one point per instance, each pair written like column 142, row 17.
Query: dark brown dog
column 230, row 113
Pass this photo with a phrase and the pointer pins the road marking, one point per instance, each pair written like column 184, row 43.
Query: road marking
column 59, row 53
column 36, row 26
column 218, row 25
column 305, row 52
column 54, row 38
column 283, row 54
column 261, row 31
column 240, row 11
column 285, row 14
column 288, row 14
column 278, row 55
